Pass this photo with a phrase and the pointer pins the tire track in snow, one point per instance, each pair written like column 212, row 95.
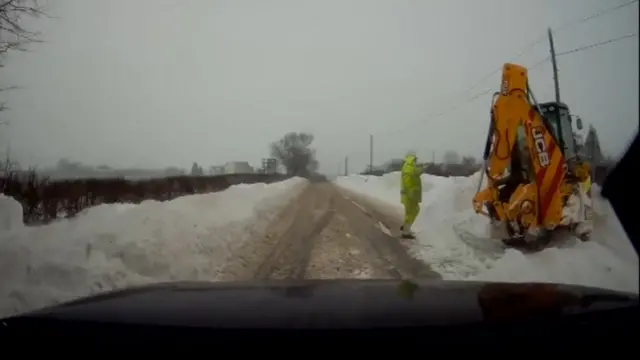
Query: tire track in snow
column 323, row 235
column 390, row 248
column 342, row 253
column 290, row 257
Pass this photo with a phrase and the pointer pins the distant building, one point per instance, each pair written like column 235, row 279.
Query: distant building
column 238, row 167
column 269, row 166
column 217, row 170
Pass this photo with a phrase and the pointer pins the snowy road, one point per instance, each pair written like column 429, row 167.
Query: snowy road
column 324, row 234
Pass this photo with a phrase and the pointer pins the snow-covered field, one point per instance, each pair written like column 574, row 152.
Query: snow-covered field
column 120, row 245
column 446, row 217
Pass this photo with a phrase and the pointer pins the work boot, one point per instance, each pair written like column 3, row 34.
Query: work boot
column 406, row 232
column 408, row 235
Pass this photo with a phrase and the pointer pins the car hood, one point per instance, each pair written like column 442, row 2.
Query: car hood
column 335, row 303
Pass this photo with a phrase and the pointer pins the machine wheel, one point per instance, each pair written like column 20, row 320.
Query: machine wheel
column 514, row 242
column 583, row 237
column 516, row 239
column 529, row 243
column 540, row 242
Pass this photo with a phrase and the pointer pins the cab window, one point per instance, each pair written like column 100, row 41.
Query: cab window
column 561, row 127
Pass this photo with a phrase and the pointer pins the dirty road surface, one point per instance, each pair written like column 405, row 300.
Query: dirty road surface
column 327, row 233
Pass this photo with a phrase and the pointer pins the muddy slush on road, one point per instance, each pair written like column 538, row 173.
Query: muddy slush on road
column 327, row 233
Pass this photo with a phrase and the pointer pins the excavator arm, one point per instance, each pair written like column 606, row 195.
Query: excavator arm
column 524, row 165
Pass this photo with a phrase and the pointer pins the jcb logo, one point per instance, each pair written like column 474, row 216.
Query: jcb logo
column 541, row 146
column 504, row 88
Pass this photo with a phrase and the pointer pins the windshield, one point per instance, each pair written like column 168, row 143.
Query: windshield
column 562, row 128
column 153, row 141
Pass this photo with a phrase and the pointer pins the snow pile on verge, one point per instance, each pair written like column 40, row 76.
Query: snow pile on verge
column 446, row 217
column 120, row 245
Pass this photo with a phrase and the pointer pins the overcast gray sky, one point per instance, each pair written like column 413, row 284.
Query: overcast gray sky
column 153, row 83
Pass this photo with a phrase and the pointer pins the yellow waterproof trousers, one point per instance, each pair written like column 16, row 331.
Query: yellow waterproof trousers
column 411, row 211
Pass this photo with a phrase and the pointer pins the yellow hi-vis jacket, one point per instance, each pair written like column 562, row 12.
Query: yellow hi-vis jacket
column 411, row 190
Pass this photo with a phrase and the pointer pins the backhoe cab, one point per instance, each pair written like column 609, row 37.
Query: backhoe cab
column 536, row 182
column 559, row 119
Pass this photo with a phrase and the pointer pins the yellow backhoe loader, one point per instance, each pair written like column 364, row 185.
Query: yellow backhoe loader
column 536, row 183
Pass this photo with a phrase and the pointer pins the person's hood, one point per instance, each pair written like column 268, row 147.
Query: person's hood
column 410, row 159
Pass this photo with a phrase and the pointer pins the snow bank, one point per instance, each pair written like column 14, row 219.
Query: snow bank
column 446, row 220
column 120, row 245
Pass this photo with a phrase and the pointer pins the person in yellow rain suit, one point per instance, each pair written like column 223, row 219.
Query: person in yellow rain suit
column 411, row 193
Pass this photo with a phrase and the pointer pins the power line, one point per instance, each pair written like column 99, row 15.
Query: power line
column 469, row 100
column 447, row 111
column 496, row 71
column 536, row 64
column 478, row 95
column 590, row 17
column 543, row 37
column 527, row 48
column 581, row 48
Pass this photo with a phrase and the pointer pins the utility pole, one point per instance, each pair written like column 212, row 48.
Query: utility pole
column 556, row 84
column 555, row 65
column 346, row 165
column 370, row 153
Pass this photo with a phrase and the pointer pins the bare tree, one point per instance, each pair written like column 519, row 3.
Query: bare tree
column 293, row 152
column 13, row 36
column 8, row 168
